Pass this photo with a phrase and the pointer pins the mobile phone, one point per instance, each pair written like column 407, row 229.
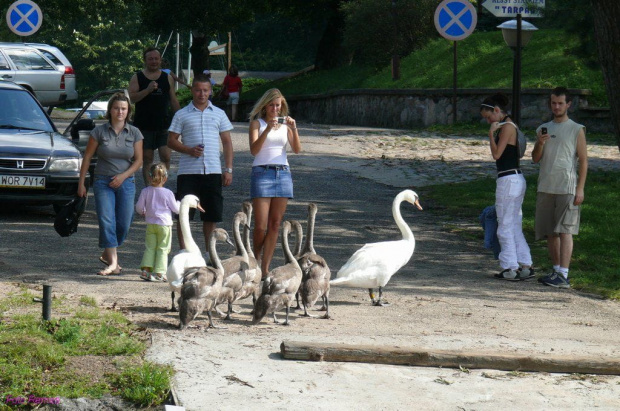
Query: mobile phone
column 543, row 130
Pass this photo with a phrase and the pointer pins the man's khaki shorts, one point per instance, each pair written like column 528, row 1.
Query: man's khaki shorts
column 555, row 214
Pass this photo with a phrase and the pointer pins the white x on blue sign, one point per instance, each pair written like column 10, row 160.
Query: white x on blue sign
column 455, row 19
column 24, row 17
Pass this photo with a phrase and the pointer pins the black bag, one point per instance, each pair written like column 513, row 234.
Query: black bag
column 68, row 217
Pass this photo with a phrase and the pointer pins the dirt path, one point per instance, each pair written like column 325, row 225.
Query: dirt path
column 445, row 298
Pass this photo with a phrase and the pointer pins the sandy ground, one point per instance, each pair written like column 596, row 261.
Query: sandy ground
column 444, row 299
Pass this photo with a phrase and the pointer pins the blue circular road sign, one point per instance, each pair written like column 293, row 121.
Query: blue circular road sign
column 24, row 17
column 455, row 19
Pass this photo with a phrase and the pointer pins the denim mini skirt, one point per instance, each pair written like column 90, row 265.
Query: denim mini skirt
column 271, row 181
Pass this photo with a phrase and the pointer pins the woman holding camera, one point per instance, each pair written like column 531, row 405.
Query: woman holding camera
column 118, row 146
column 514, row 258
column 271, row 129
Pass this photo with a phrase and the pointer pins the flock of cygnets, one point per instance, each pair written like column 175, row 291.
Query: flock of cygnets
column 305, row 274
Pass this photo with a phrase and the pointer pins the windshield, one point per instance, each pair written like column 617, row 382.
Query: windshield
column 18, row 109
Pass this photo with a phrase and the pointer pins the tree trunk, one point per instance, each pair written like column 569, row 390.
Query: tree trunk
column 200, row 53
column 330, row 53
column 606, row 14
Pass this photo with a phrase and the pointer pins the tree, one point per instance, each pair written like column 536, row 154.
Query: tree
column 373, row 33
column 203, row 19
column 101, row 38
column 606, row 15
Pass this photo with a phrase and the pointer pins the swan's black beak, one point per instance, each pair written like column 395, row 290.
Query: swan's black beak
column 417, row 204
column 229, row 241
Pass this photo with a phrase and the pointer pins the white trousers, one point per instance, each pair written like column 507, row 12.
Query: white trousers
column 509, row 196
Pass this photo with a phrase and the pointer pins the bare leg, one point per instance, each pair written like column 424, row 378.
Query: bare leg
column 146, row 165
column 274, row 208
column 109, row 255
column 233, row 112
column 566, row 249
column 164, row 156
column 553, row 246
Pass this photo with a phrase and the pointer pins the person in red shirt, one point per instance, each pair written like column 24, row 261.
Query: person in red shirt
column 232, row 85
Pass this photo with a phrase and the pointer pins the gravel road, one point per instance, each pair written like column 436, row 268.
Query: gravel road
column 444, row 299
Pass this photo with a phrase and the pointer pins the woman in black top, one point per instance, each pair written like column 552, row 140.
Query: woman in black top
column 514, row 258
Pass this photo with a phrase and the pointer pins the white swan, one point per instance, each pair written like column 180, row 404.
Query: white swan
column 188, row 257
column 374, row 264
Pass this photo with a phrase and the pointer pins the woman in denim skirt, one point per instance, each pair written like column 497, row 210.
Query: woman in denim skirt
column 515, row 258
column 271, row 130
column 118, row 146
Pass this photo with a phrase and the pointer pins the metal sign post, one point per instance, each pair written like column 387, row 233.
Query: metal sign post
column 455, row 20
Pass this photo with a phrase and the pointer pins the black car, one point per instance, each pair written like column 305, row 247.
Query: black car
column 38, row 165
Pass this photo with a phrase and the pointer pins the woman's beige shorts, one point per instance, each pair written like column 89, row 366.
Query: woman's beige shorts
column 556, row 213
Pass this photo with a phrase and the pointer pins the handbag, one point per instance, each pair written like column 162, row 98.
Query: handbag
column 68, row 217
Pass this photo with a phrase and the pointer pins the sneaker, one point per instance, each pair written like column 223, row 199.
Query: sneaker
column 525, row 273
column 557, row 280
column 546, row 277
column 507, row 274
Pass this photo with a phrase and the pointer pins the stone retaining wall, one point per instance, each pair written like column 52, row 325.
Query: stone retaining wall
column 424, row 107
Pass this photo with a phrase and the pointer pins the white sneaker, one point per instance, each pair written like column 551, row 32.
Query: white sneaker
column 507, row 274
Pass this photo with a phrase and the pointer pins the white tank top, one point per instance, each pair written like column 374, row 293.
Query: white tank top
column 273, row 150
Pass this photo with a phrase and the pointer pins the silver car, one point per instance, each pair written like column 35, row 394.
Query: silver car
column 26, row 66
column 62, row 63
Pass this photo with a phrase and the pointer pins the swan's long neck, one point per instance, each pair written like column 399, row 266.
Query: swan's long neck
column 213, row 252
column 186, row 231
column 247, row 208
column 289, row 258
column 299, row 233
column 238, row 241
column 400, row 222
column 309, row 245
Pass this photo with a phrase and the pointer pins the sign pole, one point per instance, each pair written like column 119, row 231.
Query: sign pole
column 454, row 83
column 516, row 81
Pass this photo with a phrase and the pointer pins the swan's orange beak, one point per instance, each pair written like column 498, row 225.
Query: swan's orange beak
column 417, row 204
column 200, row 208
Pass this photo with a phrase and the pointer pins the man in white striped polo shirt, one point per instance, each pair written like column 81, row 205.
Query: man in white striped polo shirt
column 195, row 132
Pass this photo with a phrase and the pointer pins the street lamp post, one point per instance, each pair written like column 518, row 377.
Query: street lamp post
column 517, row 34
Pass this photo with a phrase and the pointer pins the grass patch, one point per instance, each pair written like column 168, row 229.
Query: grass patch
column 595, row 262
column 484, row 61
column 53, row 358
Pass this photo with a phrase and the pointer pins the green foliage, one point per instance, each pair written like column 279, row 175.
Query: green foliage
column 103, row 39
column 595, row 262
column 184, row 95
column 34, row 354
column 146, row 385
column 375, row 30
column 484, row 61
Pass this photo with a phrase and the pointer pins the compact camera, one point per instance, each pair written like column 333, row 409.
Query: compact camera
column 281, row 120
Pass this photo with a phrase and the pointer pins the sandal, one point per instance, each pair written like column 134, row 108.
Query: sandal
column 109, row 271
column 145, row 275
column 157, row 278
column 106, row 263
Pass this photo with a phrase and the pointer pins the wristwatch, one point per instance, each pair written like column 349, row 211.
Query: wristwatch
column 228, row 170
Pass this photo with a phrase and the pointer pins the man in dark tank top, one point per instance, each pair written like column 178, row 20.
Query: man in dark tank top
column 152, row 92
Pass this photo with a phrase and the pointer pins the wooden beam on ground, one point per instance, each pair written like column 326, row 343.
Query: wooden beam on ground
column 307, row 351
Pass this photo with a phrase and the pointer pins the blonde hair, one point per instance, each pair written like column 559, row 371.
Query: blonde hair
column 158, row 174
column 259, row 111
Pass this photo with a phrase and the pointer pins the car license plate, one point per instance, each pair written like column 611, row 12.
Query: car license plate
column 22, row 181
